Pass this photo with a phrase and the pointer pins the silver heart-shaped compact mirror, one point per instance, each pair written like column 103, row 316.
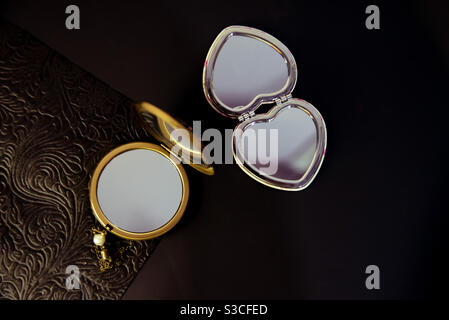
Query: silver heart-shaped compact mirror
column 244, row 69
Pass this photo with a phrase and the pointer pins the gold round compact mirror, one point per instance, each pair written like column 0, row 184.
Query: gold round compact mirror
column 140, row 190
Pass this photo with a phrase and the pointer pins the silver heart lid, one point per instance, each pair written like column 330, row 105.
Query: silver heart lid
column 244, row 68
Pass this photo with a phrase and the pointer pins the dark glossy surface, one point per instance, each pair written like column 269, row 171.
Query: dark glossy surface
column 379, row 197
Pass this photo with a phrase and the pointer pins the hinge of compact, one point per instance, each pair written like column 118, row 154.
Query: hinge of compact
column 172, row 154
column 247, row 115
column 278, row 101
column 282, row 99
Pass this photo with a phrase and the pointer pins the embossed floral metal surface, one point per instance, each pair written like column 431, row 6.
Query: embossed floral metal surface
column 56, row 122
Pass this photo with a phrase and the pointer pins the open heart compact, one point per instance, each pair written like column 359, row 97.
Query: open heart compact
column 244, row 69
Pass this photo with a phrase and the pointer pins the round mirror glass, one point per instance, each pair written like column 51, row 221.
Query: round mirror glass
column 139, row 190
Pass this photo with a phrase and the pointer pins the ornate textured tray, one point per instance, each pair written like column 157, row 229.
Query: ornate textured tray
column 56, row 123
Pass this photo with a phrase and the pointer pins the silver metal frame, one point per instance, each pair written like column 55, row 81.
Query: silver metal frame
column 282, row 98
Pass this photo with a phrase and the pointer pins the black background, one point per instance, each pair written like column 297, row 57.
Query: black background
column 378, row 198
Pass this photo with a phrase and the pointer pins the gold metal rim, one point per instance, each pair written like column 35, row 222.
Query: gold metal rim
column 164, row 118
column 100, row 216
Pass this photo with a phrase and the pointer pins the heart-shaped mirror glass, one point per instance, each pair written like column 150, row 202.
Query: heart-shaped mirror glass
column 283, row 148
column 245, row 68
column 175, row 136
